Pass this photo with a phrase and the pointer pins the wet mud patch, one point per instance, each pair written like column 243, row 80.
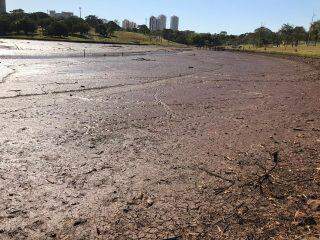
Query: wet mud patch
column 184, row 152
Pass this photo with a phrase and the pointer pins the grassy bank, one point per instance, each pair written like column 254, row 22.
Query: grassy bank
column 120, row 37
column 301, row 50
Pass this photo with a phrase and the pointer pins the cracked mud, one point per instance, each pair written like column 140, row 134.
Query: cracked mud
column 156, row 144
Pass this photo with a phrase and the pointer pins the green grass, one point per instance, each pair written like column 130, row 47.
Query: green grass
column 301, row 50
column 120, row 37
column 130, row 37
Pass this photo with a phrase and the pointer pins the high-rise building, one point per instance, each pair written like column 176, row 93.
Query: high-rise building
column 158, row 24
column 61, row 15
column 162, row 22
column 153, row 24
column 126, row 24
column 3, row 6
column 174, row 25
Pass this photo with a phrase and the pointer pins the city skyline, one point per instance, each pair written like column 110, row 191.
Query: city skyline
column 160, row 23
column 213, row 16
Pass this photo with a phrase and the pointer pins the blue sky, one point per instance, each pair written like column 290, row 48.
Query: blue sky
column 233, row 16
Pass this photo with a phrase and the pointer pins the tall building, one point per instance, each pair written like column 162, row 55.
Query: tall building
column 162, row 22
column 3, row 6
column 61, row 15
column 174, row 24
column 158, row 24
column 126, row 24
column 153, row 24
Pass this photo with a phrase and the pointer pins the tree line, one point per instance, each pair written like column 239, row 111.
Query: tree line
column 18, row 22
column 262, row 36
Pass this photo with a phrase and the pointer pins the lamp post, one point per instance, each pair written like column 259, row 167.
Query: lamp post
column 80, row 12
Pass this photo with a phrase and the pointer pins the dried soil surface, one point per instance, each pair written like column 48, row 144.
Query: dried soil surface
column 166, row 145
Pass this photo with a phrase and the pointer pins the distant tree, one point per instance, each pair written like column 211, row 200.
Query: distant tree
column 263, row 36
column 26, row 25
column 198, row 40
column 57, row 29
column 17, row 11
column 315, row 31
column 93, row 21
column 248, row 38
column 102, row 29
column 17, row 14
column 107, row 29
column 277, row 39
column 286, row 32
column 143, row 29
column 112, row 27
column 232, row 40
column 299, row 35
column 169, row 34
column 82, row 28
column 73, row 24
column 4, row 24
column 215, row 40
column 223, row 37
column 42, row 19
column 183, row 37
column 37, row 16
column 45, row 22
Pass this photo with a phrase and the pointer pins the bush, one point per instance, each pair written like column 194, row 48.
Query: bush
column 26, row 25
column 82, row 28
column 102, row 29
column 57, row 29
column 4, row 25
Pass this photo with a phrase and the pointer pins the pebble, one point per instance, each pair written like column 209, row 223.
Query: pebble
column 150, row 202
column 79, row 222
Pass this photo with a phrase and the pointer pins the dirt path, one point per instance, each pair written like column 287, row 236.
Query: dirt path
column 169, row 146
